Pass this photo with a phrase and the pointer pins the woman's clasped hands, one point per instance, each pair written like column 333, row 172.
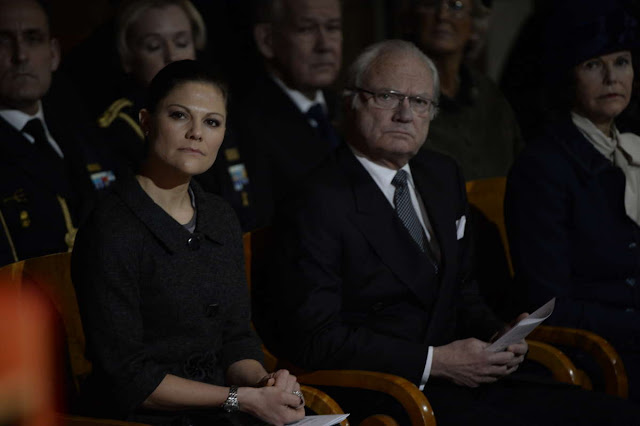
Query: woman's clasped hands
column 276, row 399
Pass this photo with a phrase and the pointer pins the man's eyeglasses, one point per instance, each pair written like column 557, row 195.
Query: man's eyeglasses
column 455, row 7
column 391, row 99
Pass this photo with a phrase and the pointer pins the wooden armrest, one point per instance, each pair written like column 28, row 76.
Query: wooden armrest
column 555, row 360
column 68, row 420
column 413, row 401
column 615, row 376
column 321, row 403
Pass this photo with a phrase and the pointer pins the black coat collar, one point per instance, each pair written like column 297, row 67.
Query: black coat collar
column 172, row 234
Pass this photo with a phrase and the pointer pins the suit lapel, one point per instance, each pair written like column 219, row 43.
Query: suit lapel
column 21, row 152
column 376, row 219
column 441, row 215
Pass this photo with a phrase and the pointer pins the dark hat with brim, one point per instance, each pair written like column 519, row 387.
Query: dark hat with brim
column 582, row 29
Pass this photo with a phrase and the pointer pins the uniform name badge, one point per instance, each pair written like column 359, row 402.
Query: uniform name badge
column 239, row 176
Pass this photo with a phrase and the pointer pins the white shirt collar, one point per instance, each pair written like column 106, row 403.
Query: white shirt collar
column 301, row 101
column 382, row 175
column 19, row 119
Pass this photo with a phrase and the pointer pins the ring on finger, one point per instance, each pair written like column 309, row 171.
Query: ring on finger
column 299, row 395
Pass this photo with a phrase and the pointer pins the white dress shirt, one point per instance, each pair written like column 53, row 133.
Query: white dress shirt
column 19, row 119
column 383, row 176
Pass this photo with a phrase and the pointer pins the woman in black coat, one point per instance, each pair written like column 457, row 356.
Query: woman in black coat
column 159, row 274
column 572, row 205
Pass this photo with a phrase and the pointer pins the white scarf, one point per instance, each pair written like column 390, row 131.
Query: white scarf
column 623, row 150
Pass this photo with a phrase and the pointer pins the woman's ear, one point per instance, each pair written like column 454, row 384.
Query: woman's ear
column 144, row 117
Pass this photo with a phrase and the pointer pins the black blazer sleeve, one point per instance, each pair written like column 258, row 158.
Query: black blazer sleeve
column 105, row 270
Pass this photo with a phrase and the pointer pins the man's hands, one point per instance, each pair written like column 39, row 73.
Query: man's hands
column 273, row 400
column 467, row 363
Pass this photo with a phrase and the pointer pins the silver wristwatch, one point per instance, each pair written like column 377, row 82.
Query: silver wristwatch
column 231, row 404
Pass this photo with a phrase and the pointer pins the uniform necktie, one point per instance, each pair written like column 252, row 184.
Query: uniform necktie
column 323, row 125
column 35, row 129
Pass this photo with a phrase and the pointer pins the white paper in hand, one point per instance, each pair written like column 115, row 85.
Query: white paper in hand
column 523, row 328
column 324, row 420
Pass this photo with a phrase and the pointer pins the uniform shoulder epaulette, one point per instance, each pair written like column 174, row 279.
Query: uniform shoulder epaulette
column 114, row 111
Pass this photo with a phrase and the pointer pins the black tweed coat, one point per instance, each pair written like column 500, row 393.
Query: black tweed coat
column 156, row 299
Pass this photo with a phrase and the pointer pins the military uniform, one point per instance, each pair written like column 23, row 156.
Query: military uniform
column 42, row 201
column 227, row 177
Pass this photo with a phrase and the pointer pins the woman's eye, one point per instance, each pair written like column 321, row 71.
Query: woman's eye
column 212, row 122
column 622, row 60
column 590, row 65
column 182, row 42
column 177, row 115
column 151, row 46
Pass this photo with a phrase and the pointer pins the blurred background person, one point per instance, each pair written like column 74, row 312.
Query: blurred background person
column 284, row 117
column 149, row 35
column 475, row 124
column 572, row 204
column 49, row 163
column 160, row 278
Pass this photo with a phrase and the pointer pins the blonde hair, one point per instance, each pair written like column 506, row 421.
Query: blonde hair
column 133, row 9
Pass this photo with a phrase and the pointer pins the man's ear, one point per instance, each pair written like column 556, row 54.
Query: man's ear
column 263, row 35
column 54, row 45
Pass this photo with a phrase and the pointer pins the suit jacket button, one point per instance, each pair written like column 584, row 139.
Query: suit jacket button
column 631, row 281
column 211, row 310
column 193, row 243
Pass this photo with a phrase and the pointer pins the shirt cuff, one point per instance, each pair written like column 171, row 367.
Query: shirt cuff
column 427, row 369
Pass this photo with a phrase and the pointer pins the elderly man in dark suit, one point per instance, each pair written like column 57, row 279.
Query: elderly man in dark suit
column 283, row 118
column 46, row 171
column 372, row 265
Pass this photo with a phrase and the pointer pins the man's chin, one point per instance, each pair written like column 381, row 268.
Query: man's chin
column 22, row 100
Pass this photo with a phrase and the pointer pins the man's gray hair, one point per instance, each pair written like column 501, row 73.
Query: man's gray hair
column 361, row 65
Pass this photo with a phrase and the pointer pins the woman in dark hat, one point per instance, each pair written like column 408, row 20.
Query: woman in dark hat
column 573, row 196
column 159, row 273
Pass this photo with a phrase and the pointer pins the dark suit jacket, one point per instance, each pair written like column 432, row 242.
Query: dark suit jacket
column 279, row 144
column 570, row 237
column 30, row 184
column 352, row 288
column 156, row 299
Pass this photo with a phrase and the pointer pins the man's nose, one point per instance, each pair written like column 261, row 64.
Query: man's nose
column 325, row 40
column 403, row 111
column 19, row 54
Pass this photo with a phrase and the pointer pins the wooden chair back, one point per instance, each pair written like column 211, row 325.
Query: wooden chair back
column 52, row 275
column 487, row 195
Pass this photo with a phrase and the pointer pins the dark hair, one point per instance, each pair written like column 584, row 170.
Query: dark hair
column 180, row 72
